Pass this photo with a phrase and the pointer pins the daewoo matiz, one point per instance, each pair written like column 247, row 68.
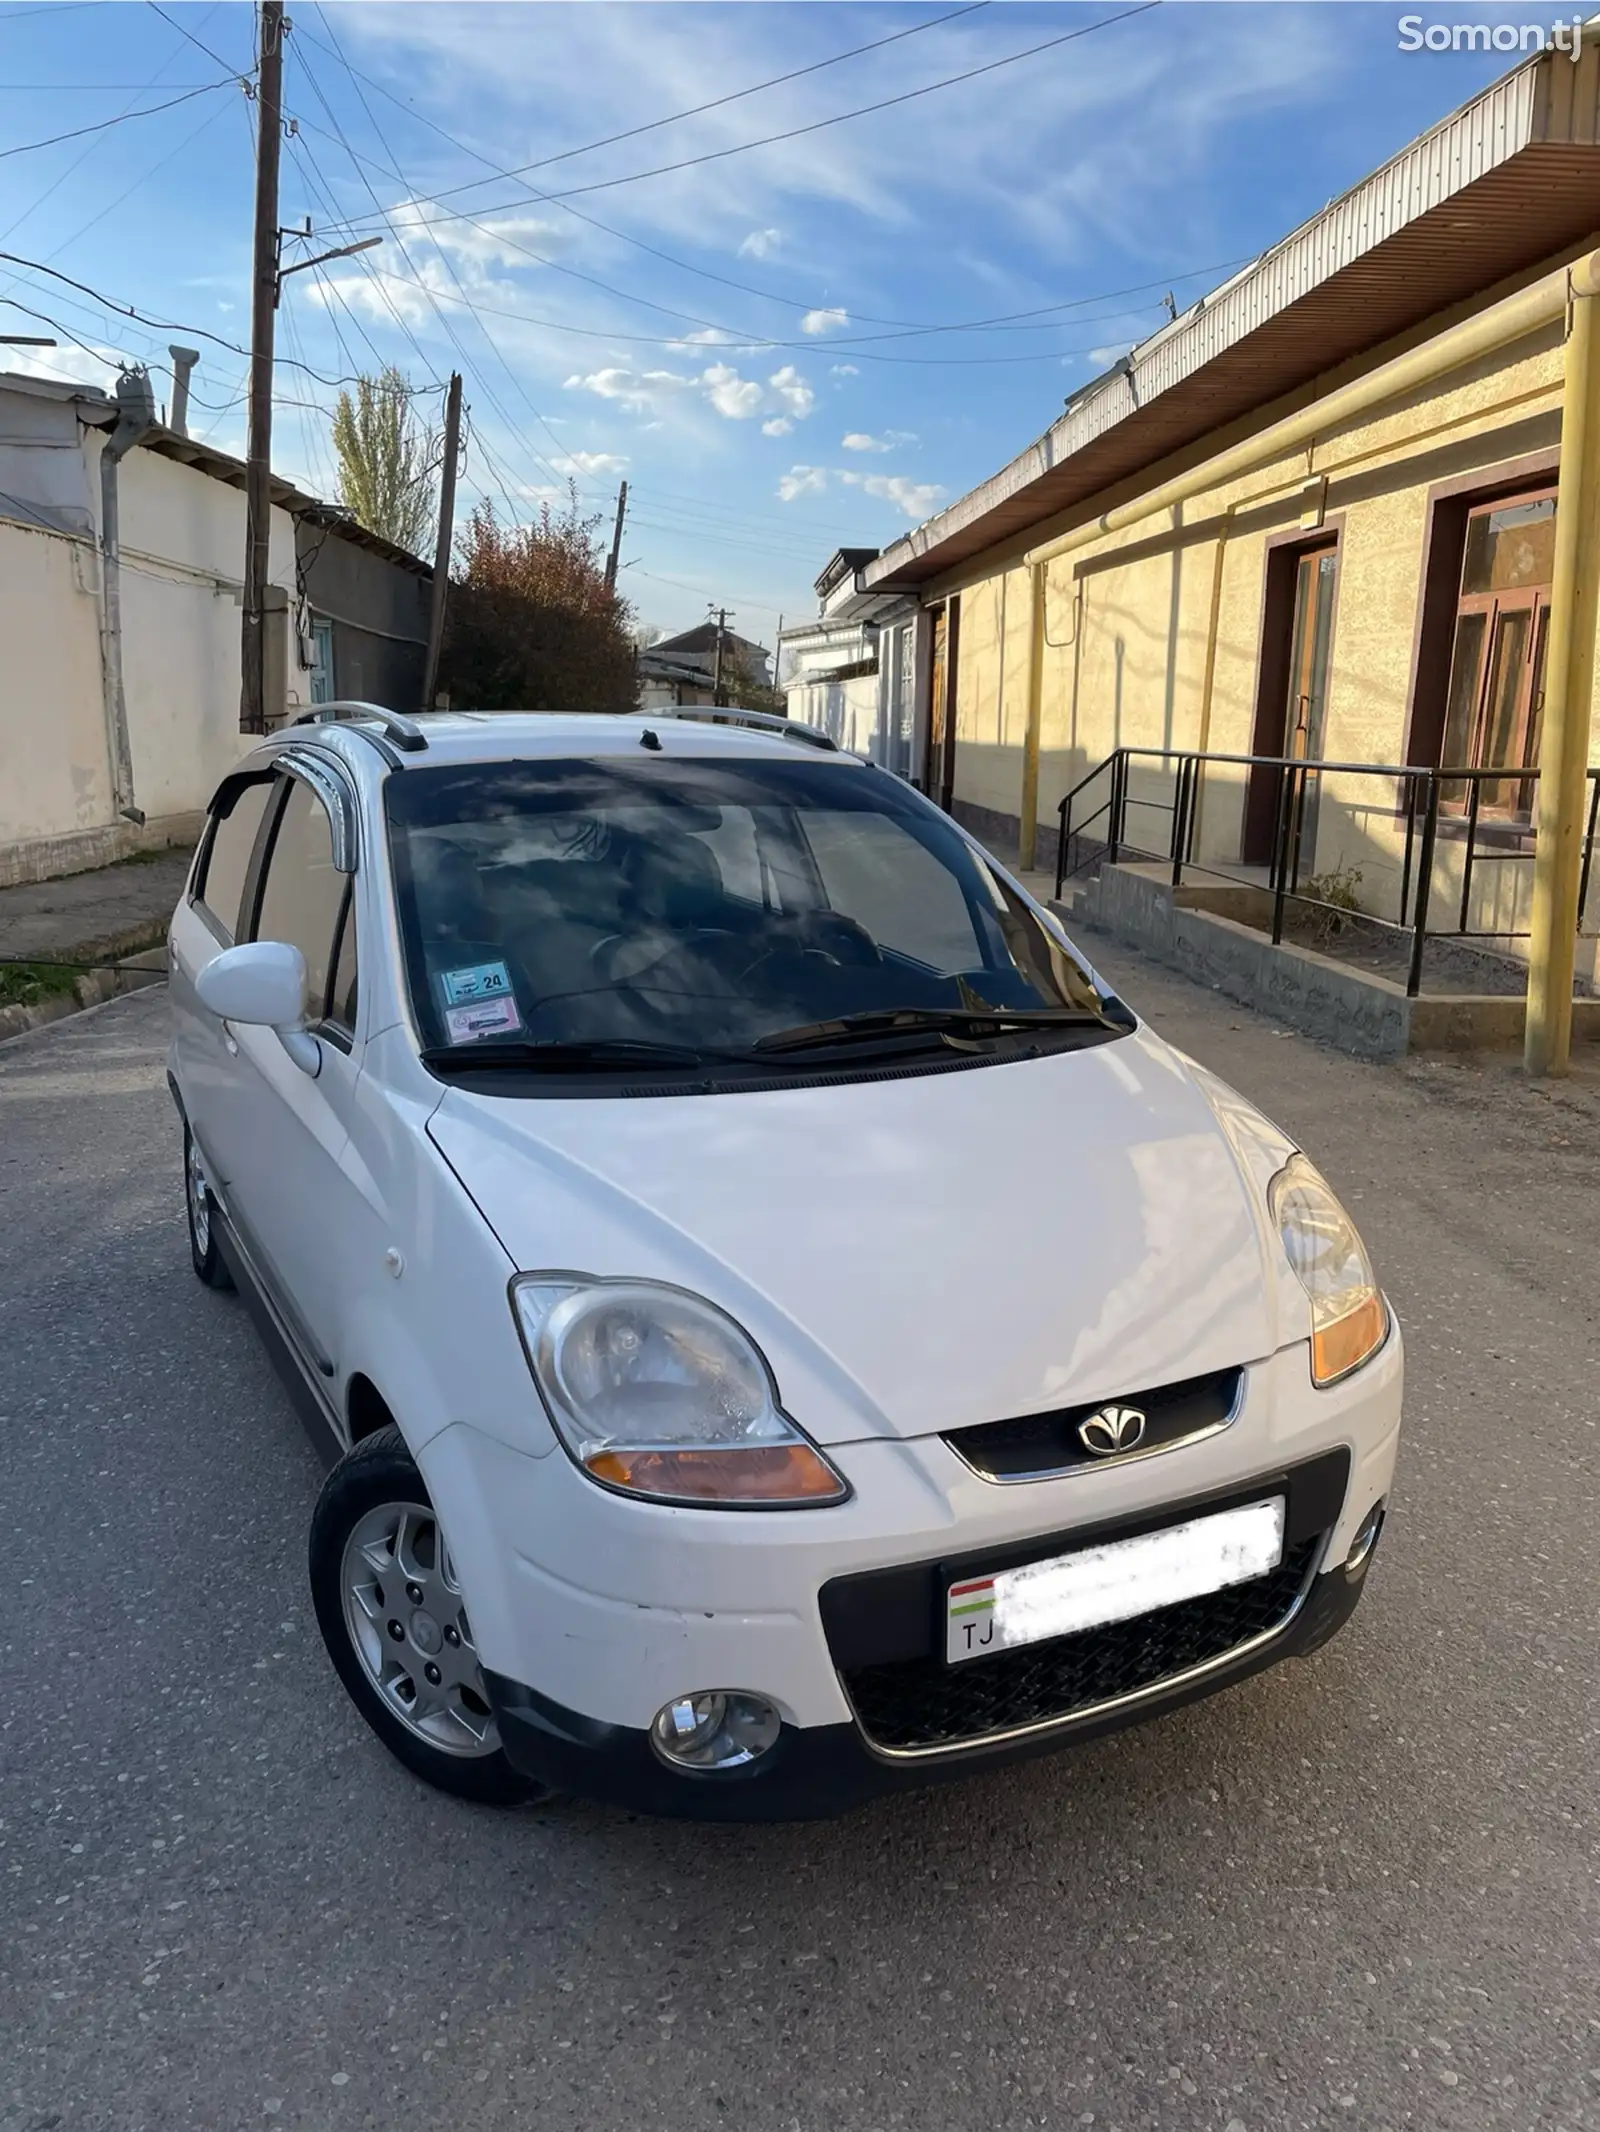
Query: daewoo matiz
column 781, row 1328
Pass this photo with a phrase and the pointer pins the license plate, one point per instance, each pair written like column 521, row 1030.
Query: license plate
column 1115, row 1582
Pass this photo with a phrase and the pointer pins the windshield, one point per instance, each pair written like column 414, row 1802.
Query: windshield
column 706, row 904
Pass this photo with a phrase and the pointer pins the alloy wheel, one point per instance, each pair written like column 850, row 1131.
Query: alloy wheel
column 199, row 1200
column 404, row 1611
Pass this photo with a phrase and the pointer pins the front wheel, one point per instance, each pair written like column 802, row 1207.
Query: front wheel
column 390, row 1609
column 209, row 1264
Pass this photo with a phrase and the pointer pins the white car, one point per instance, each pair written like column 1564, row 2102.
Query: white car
column 781, row 1328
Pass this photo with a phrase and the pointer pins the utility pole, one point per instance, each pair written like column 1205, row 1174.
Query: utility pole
column 263, row 320
column 718, row 693
column 616, row 538
column 447, row 527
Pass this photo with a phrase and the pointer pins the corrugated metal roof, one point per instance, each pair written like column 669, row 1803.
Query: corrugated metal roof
column 1509, row 181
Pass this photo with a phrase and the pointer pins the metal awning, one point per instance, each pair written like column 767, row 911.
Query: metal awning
column 1501, row 188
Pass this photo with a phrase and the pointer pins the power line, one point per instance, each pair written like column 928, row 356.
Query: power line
column 101, row 125
column 789, row 300
column 743, row 598
column 736, row 344
column 696, row 110
column 128, row 191
column 839, row 118
column 54, row 7
column 183, row 31
column 356, row 163
column 1034, row 321
column 168, row 325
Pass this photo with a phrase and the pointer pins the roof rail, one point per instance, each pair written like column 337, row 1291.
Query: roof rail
column 404, row 732
column 758, row 721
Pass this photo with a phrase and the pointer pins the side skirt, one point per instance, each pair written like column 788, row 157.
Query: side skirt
column 301, row 1382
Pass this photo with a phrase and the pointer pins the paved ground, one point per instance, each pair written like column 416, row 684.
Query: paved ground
column 1360, row 1891
column 110, row 911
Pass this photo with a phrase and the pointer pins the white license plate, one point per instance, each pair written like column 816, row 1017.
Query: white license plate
column 1116, row 1582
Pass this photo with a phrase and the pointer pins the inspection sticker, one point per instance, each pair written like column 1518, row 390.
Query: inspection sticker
column 484, row 980
column 484, row 1017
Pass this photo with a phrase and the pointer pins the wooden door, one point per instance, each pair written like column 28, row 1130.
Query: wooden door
column 1297, row 655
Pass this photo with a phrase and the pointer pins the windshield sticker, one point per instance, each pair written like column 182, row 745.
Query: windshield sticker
column 484, row 1017
column 483, row 980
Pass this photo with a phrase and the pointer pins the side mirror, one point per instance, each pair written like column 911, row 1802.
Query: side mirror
column 263, row 984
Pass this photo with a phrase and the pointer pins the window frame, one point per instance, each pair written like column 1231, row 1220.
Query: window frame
column 232, row 788
column 338, row 802
column 1449, row 505
column 1495, row 605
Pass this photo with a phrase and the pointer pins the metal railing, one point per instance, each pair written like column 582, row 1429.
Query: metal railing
column 1423, row 801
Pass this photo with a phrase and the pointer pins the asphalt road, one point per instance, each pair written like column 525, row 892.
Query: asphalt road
column 1358, row 1891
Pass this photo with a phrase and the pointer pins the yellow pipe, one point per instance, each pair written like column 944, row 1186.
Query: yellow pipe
column 1509, row 321
column 1028, row 837
column 1568, row 688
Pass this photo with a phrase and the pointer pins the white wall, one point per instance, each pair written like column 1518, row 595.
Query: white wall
column 182, row 534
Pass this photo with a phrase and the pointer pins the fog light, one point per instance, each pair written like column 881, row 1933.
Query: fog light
column 1365, row 1541
column 717, row 1728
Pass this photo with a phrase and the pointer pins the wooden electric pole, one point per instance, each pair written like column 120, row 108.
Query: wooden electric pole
column 447, row 527
column 263, row 319
column 616, row 538
column 718, row 693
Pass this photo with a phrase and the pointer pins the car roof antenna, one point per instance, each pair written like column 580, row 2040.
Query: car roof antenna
column 650, row 739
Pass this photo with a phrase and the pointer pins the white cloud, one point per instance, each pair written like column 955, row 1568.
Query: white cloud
column 731, row 395
column 823, row 321
column 706, row 337
column 858, row 440
column 785, row 398
column 793, row 391
column 759, row 243
column 915, row 498
column 632, row 388
column 1105, row 357
column 845, row 370
column 802, row 481
column 590, row 463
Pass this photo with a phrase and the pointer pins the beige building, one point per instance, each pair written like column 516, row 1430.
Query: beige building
column 1313, row 517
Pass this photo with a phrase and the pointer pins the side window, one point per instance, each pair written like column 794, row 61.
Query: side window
column 303, row 892
column 236, row 824
column 341, row 1010
column 877, row 874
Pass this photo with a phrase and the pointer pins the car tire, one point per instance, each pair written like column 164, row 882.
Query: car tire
column 389, row 1608
column 199, row 1206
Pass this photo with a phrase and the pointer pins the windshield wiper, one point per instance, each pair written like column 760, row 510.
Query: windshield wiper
column 927, row 1021
column 559, row 1056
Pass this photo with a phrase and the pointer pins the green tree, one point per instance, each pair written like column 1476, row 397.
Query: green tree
column 742, row 685
column 387, row 460
column 531, row 624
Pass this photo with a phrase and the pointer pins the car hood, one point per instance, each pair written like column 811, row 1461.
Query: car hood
column 916, row 1253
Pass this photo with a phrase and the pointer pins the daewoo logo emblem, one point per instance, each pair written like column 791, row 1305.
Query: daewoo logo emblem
column 1112, row 1430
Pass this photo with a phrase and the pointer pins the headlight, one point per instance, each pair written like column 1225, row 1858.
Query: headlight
column 1348, row 1319
column 656, row 1392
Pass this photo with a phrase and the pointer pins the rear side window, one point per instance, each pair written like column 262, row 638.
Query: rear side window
column 236, row 824
column 302, row 894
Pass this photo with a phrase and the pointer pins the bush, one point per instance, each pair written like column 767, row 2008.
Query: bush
column 531, row 624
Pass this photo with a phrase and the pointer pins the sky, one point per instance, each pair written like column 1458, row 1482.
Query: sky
column 785, row 345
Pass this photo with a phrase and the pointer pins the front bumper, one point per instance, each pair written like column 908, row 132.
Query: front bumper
column 817, row 1771
column 591, row 1612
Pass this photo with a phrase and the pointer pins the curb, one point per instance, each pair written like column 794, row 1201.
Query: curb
column 149, row 968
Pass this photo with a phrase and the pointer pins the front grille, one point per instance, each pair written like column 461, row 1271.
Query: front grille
column 1037, row 1445
column 923, row 1703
